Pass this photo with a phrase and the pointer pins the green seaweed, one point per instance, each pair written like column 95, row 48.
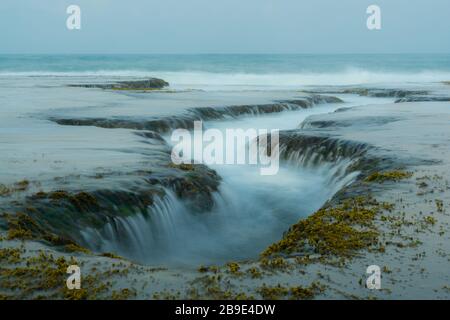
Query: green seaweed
column 395, row 175
column 338, row 231
column 82, row 201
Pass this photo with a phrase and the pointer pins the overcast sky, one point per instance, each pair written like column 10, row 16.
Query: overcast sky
column 224, row 26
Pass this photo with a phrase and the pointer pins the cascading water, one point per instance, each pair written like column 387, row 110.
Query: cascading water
column 141, row 236
column 250, row 211
column 336, row 170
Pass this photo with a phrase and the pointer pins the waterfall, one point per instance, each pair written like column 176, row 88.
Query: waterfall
column 250, row 211
column 141, row 236
column 337, row 171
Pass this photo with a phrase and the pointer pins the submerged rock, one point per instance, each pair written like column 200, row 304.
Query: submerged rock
column 371, row 92
column 60, row 216
column 58, row 213
column 152, row 83
column 186, row 120
column 423, row 99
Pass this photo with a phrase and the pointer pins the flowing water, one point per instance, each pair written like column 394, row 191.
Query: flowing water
column 250, row 210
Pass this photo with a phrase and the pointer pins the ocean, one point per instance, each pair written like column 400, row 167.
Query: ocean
column 217, row 71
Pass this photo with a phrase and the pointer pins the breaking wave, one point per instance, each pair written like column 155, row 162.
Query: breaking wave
column 249, row 81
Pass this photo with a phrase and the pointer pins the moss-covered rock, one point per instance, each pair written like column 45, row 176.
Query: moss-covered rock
column 338, row 230
column 395, row 175
column 148, row 84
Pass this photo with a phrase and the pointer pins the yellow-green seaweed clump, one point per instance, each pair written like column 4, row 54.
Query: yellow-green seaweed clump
column 44, row 276
column 274, row 263
column 82, row 201
column 182, row 166
column 233, row 267
column 297, row 293
column 111, row 255
column 10, row 255
column 254, row 272
column 338, row 231
column 306, row 293
column 42, row 273
column 273, row 292
column 439, row 205
column 395, row 175
column 18, row 186
column 23, row 227
column 76, row 248
column 123, row 294
column 203, row 269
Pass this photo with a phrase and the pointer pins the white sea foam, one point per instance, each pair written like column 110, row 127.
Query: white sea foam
column 349, row 77
column 211, row 80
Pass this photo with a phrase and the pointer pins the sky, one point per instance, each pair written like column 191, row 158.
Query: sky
column 224, row 26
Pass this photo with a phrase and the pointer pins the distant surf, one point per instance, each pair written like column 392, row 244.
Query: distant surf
column 236, row 71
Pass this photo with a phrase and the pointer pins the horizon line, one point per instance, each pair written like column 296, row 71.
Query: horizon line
column 218, row 53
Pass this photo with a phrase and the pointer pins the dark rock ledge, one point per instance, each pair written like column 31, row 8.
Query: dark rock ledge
column 186, row 120
column 151, row 83
column 57, row 216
